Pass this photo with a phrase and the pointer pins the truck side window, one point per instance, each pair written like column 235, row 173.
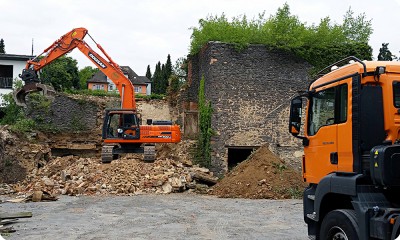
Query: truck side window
column 396, row 94
column 327, row 107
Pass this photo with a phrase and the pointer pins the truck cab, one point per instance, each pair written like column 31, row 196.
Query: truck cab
column 349, row 122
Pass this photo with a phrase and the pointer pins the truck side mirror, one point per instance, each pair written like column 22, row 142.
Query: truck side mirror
column 295, row 116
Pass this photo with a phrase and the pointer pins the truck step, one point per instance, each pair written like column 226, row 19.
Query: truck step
column 312, row 237
column 311, row 197
column 312, row 216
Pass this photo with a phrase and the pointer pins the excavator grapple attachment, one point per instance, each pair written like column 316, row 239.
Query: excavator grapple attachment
column 20, row 94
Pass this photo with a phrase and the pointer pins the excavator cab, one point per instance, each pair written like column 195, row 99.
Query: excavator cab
column 122, row 124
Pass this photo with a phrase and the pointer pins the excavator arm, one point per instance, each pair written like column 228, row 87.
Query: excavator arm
column 67, row 43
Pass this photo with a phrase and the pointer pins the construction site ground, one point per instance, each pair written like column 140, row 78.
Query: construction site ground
column 171, row 198
column 151, row 216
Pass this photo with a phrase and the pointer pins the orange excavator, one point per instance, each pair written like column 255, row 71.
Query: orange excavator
column 122, row 130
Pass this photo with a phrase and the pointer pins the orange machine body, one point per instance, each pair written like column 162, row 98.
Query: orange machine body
column 128, row 136
column 337, row 137
column 351, row 139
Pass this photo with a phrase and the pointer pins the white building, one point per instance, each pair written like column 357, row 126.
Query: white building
column 11, row 66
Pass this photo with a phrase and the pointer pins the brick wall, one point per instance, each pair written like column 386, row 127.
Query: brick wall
column 249, row 91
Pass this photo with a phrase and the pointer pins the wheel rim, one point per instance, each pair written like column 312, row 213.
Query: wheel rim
column 336, row 233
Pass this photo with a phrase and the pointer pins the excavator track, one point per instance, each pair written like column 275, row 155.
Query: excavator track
column 107, row 153
column 149, row 153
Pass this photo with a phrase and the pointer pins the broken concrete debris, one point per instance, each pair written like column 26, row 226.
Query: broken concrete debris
column 74, row 175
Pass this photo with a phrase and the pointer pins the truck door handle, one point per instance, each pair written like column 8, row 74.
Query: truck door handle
column 334, row 158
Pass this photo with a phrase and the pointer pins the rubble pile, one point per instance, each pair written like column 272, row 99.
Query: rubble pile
column 72, row 175
column 29, row 169
column 18, row 156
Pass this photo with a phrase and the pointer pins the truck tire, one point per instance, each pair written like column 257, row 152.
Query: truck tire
column 340, row 224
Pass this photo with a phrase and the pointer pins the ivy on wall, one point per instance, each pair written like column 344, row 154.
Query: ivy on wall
column 203, row 153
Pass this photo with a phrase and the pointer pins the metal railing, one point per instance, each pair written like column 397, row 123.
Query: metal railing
column 6, row 82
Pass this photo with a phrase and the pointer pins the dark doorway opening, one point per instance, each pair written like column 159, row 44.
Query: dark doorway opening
column 237, row 155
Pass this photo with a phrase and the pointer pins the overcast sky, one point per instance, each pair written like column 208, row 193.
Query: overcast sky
column 140, row 33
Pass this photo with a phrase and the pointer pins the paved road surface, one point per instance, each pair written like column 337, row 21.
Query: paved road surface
column 173, row 216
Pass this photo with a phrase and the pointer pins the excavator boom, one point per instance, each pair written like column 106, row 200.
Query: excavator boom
column 67, row 43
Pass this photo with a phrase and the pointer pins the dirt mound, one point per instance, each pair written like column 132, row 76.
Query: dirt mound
column 262, row 175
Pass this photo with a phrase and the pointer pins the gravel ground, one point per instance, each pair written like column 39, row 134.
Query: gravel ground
column 173, row 216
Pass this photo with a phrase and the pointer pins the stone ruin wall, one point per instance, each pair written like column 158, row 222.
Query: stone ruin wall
column 75, row 113
column 249, row 91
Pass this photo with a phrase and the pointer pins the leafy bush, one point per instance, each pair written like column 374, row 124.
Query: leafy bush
column 102, row 93
column 99, row 93
column 12, row 112
column 317, row 44
column 23, row 125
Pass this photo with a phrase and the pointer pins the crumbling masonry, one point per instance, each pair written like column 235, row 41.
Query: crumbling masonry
column 249, row 91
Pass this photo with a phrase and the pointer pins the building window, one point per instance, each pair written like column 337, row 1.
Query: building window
column 138, row 89
column 98, row 87
column 6, row 76
column 6, row 82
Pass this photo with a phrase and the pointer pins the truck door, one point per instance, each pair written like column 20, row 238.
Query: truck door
column 324, row 116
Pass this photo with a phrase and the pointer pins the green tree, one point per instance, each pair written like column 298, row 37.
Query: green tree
column 148, row 72
column 284, row 30
column 164, row 79
column 62, row 74
column 2, row 46
column 356, row 28
column 384, row 53
column 157, row 79
column 180, row 68
column 168, row 67
column 85, row 74
column 174, row 85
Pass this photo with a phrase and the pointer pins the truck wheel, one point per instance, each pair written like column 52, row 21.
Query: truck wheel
column 340, row 224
